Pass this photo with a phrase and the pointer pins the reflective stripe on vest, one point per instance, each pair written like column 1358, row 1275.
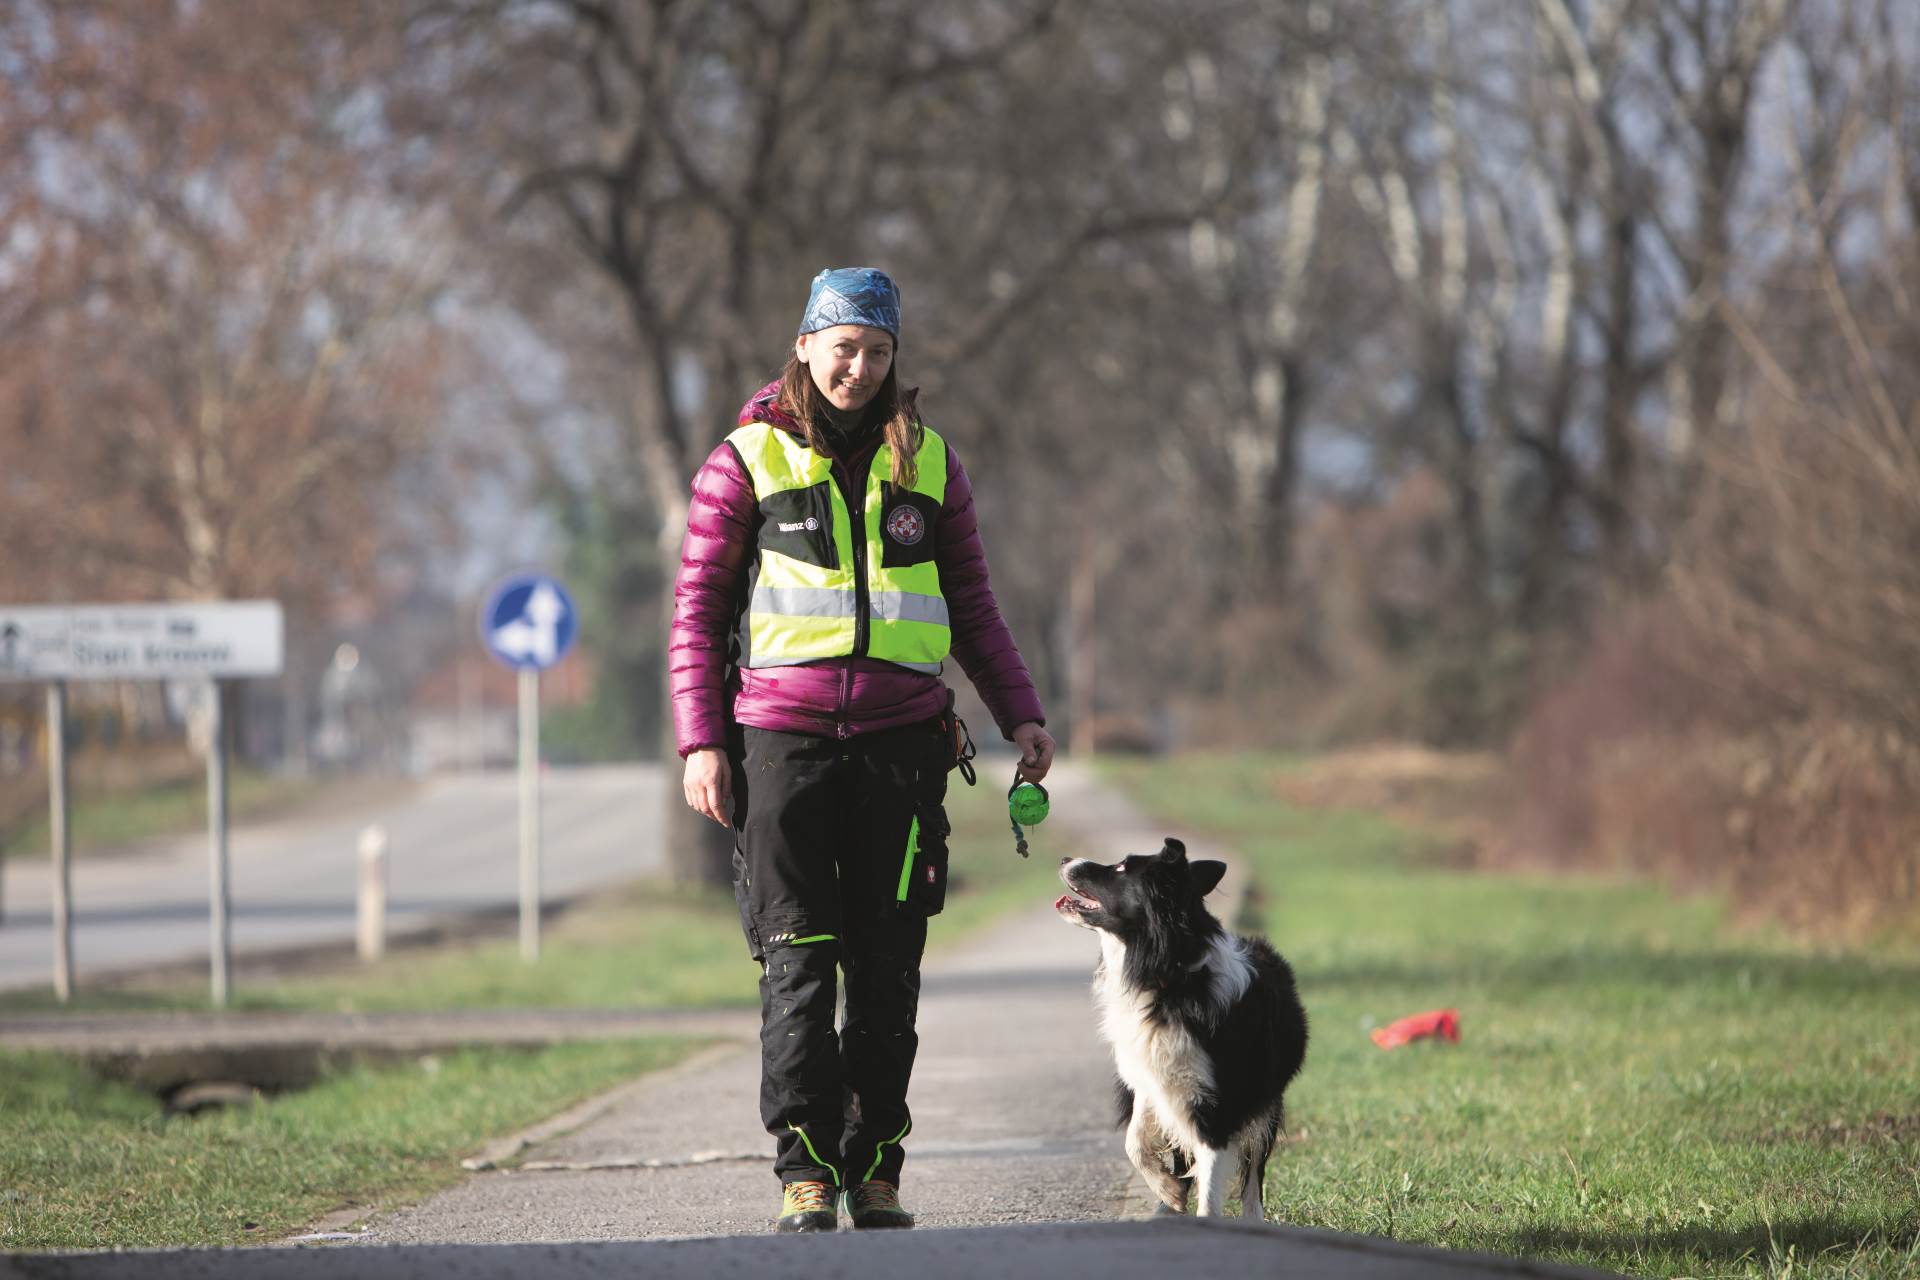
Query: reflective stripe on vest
column 807, row 603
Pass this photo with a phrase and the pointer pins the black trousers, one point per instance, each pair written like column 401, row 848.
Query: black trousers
column 841, row 855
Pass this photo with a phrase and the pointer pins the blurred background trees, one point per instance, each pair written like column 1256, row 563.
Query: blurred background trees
column 1328, row 371
column 225, row 356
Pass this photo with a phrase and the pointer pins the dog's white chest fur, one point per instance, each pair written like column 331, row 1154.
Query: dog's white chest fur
column 1163, row 1064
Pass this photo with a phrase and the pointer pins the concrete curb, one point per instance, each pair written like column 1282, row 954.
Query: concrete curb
column 417, row 1032
column 163, row 1053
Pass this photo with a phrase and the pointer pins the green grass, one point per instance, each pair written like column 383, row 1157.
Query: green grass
column 114, row 819
column 88, row 1163
column 1638, row 1086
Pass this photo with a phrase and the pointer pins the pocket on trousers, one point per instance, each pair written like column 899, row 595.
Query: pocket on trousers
column 923, row 870
column 742, row 895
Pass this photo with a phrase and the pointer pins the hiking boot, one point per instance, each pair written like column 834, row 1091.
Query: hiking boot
column 807, row 1206
column 875, row 1206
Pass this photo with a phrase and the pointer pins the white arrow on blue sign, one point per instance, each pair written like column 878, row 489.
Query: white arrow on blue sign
column 529, row 622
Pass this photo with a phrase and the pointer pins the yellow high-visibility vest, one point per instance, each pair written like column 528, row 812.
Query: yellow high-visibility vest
column 818, row 591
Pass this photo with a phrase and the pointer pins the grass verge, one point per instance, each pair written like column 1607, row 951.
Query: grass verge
column 1639, row 1086
column 87, row 1163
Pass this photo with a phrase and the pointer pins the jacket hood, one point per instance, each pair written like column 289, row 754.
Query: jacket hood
column 763, row 406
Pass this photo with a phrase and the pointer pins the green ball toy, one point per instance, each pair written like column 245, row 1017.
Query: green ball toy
column 1027, row 804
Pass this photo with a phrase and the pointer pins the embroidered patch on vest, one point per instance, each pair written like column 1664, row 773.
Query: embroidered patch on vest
column 906, row 526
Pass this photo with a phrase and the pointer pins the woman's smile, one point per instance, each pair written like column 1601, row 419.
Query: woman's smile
column 849, row 362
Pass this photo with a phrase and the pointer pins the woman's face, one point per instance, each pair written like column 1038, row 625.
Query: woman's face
column 848, row 362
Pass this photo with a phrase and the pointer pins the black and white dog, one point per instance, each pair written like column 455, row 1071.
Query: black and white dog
column 1206, row 1028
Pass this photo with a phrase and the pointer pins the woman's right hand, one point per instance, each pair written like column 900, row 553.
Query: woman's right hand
column 709, row 784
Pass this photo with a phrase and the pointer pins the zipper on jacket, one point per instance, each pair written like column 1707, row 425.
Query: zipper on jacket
column 857, row 514
column 855, row 496
column 842, row 729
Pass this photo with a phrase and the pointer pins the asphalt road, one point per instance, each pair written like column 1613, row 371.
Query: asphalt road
column 454, row 849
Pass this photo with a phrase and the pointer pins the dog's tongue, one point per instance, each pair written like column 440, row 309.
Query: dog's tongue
column 1061, row 901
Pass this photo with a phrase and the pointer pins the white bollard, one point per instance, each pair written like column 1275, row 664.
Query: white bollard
column 373, row 893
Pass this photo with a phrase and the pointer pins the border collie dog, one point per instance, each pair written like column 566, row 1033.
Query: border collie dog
column 1206, row 1028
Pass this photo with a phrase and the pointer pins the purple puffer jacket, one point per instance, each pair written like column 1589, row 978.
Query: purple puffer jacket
column 836, row 697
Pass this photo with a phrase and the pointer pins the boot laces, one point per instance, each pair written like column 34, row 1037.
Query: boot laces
column 876, row 1194
column 807, row 1197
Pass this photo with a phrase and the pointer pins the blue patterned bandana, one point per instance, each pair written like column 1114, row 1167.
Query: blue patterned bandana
column 852, row 295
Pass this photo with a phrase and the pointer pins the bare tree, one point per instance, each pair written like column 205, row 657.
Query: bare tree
column 1801, row 570
column 1262, row 165
column 1201, row 269
column 703, row 159
column 228, row 352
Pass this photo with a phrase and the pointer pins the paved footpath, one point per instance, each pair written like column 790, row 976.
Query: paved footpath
column 1013, row 1142
column 1012, row 1105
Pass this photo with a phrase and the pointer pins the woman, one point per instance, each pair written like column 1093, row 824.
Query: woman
column 831, row 564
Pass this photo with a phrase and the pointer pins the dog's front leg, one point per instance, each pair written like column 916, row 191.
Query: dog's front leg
column 1144, row 1141
column 1212, row 1170
column 1252, row 1176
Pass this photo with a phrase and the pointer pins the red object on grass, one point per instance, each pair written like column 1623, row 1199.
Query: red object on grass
column 1444, row 1023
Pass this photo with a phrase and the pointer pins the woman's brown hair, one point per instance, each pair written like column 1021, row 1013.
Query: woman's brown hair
column 801, row 400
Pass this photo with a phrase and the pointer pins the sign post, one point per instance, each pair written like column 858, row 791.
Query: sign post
column 529, row 814
column 219, row 894
column 529, row 623
column 212, row 642
column 60, row 825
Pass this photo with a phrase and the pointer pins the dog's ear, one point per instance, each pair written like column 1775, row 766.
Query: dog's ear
column 1205, row 875
column 1173, row 849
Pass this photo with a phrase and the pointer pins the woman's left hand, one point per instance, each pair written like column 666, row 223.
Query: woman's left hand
column 1036, row 750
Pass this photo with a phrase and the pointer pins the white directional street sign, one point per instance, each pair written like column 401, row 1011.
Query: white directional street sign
column 223, row 639
column 212, row 641
column 529, row 623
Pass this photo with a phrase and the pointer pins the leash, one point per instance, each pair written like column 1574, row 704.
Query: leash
column 1026, row 801
column 959, row 740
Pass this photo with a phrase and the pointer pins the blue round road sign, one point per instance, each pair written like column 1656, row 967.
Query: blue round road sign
column 529, row 622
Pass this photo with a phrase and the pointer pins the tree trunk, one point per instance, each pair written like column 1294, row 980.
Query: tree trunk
column 1277, row 509
column 1462, row 472
column 1081, row 649
column 1619, row 463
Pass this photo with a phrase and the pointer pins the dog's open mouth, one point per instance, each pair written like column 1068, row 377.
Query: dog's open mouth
column 1074, row 900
